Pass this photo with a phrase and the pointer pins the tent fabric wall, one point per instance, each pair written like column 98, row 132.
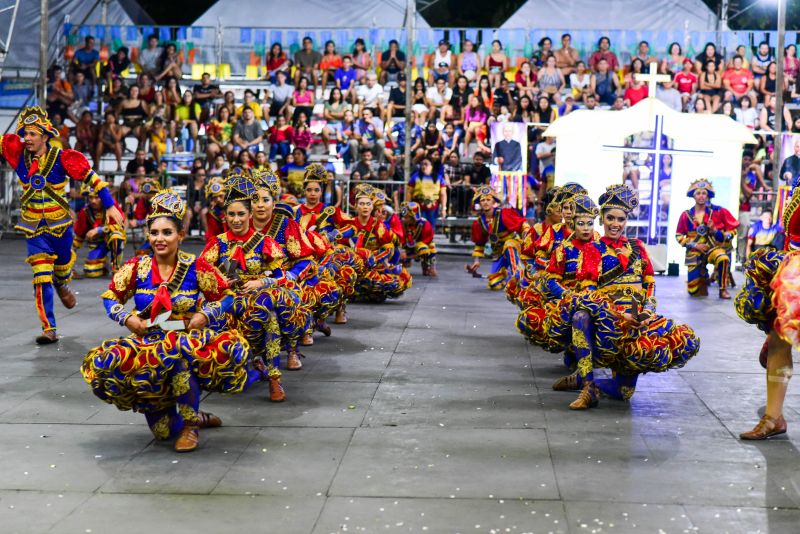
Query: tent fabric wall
column 611, row 14
column 315, row 14
column 24, row 49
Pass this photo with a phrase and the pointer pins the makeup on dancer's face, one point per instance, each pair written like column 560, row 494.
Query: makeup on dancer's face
column 313, row 193
column 263, row 204
column 584, row 227
column 237, row 217
column 701, row 196
column 34, row 139
column 164, row 236
column 487, row 203
column 567, row 210
column 364, row 206
column 614, row 221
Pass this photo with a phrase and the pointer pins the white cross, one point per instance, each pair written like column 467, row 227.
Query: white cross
column 652, row 78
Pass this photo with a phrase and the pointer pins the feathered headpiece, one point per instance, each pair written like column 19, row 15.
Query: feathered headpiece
column 167, row 204
column 150, row 185
column 485, row 191
column 238, row 188
column 701, row 184
column 619, row 197
column 584, row 207
column 315, row 173
column 36, row 118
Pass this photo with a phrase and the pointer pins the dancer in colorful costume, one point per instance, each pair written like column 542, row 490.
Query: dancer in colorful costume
column 501, row 229
column 215, row 212
column 417, row 239
column 277, row 221
column 613, row 323
column 252, row 264
column 769, row 299
column 706, row 231
column 324, row 226
column 171, row 353
column 44, row 171
column 104, row 238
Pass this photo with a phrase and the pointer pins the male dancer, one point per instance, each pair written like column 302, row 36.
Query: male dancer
column 44, row 171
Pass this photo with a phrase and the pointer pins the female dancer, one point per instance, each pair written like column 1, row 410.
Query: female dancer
column 171, row 354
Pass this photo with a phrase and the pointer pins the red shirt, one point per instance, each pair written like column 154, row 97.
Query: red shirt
column 685, row 81
column 613, row 63
column 738, row 80
column 636, row 95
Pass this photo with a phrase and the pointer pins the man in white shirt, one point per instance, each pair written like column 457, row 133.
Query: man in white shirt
column 438, row 96
column 371, row 95
column 148, row 58
column 669, row 95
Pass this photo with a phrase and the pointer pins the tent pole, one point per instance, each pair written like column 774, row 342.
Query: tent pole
column 410, row 19
column 779, row 126
column 43, row 34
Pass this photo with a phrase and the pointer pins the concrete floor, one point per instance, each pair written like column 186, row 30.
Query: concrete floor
column 425, row 414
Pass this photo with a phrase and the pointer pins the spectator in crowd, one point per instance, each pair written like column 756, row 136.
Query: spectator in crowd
column 116, row 65
column 636, row 67
column 525, row 80
column 582, row 82
column 204, row 94
column 134, row 114
column 429, row 189
column 437, row 97
column 551, row 80
column 247, row 134
column 567, row 57
column 675, row 59
column 747, row 114
column 709, row 53
column 367, row 168
column 114, row 94
column 329, row 63
column 643, row 53
column 727, row 109
column 362, row 59
column 635, row 93
column 368, row 135
column 301, row 134
column 219, row 166
column 109, row 140
column 790, row 169
column 85, row 60
column 281, row 95
column 477, row 173
column 451, row 139
column 504, row 96
column 496, row 64
column 292, row 172
column 525, row 111
column 396, row 106
column 764, row 234
column 766, row 118
column 83, row 91
column 306, row 62
column 169, row 64
column 303, row 100
column 545, row 114
column 606, row 82
column 419, row 101
column 147, row 90
column 86, row 135
column 700, row 106
column 544, row 50
column 441, row 64
column 333, row 112
column 686, row 82
column 158, row 136
column 791, row 65
column 393, row 62
column 739, row 81
column 767, row 84
column 475, row 118
column 172, row 93
column 187, row 117
column 669, row 95
column 469, row 61
column 280, row 138
column 140, row 159
column 603, row 52
column 590, row 101
column 485, row 92
column 546, row 155
column 761, row 60
column 251, row 103
column 195, row 200
column 59, row 93
column 159, row 108
column 346, row 79
column 459, row 100
column 149, row 56
column 711, row 86
column 370, row 95
column 276, row 62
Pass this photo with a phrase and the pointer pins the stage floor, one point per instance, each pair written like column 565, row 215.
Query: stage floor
column 428, row 413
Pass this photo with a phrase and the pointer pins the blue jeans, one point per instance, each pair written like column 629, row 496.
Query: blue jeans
column 431, row 215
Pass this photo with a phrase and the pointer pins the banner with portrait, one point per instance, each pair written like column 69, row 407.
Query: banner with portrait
column 509, row 162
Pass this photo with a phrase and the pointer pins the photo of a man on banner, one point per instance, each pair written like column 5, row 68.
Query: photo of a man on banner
column 509, row 162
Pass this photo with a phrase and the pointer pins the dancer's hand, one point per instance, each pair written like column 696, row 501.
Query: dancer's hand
column 115, row 215
column 197, row 322
column 136, row 325
column 630, row 320
column 701, row 247
column 253, row 285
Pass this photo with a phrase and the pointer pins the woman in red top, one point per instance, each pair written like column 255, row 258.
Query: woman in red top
column 276, row 61
column 329, row 63
column 525, row 81
column 635, row 93
column 301, row 137
column 280, row 138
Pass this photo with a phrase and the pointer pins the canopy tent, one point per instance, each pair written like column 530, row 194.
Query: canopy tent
column 24, row 49
column 614, row 14
column 323, row 14
column 710, row 144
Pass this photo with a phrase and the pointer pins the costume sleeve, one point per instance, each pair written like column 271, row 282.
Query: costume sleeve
column 479, row 237
column 77, row 167
column 276, row 259
column 11, row 149
column 218, row 296
column 725, row 224
column 80, row 229
column 529, row 239
column 513, row 221
column 426, row 235
column 648, row 279
column 211, row 252
column 554, row 274
column 682, row 231
column 120, row 290
column 543, row 247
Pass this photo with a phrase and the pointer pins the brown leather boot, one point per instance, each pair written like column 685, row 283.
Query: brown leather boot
column 341, row 315
column 323, row 327
column 586, row 399
column 307, row 340
column 567, row 383
column 723, row 294
column 432, row 272
column 47, row 337
column 293, row 362
column 188, row 439
column 67, row 297
column 209, row 420
column 276, row 393
column 766, row 428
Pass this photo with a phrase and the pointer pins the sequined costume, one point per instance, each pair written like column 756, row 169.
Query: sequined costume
column 162, row 372
column 106, row 245
column 716, row 227
column 498, row 236
column 45, row 217
column 418, row 238
column 215, row 218
column 615, row 277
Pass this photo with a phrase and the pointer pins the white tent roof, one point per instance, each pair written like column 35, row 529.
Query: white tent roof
column 608, row 124
column 24, row 49
column 309, row 14
column 613, row 14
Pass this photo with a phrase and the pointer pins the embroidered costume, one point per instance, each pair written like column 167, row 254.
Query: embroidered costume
column 107, row 243
column 418, row 238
